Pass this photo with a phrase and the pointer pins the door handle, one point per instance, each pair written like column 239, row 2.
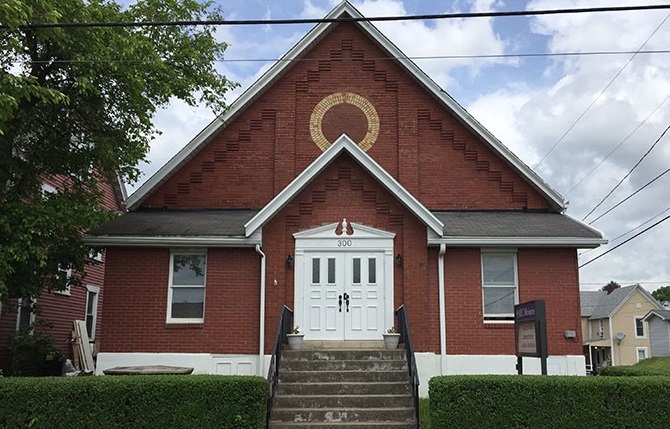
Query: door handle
column 346, row 300
column 339, row 301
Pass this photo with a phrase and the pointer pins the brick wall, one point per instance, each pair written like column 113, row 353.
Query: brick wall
column 136, row 304
column 269, row 143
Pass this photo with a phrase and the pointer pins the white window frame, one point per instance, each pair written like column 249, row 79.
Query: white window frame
column 95, row 254
column 169, row 317
column 641, row 349
column 644, row 327
column 507, row 317
column 66, row 291
column 47, row 189
column 19, row 311
column 95, row 290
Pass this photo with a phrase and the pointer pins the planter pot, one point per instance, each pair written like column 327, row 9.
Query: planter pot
column 295, row 341
column 391, row 340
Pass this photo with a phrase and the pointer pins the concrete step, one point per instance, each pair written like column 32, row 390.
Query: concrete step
column 348, row 388
column 342, row 365
column 341, row 376
column 342, row 354
column 342, row 425
column 343, row 401
column 343, row 415
column 341, row 345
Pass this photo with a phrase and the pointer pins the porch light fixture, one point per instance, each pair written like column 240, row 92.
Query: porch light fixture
column 398, row 260
column 289, row 261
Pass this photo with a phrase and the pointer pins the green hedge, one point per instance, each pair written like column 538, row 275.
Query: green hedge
column 554, row 402
column 155, row 401
column 651, row 366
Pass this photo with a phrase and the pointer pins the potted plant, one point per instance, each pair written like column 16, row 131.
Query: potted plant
column 295, row 339
column 391, row 338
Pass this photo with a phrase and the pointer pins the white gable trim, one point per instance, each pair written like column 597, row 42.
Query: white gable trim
column 284, row 64
column 343, row 144
column 578, row 242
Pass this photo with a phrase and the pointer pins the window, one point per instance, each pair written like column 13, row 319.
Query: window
column 66, row 274
column 639, row 328
column 641, row 353
column 186, row 298
column 601, row 328
column 25, row 315
column 92, row 293
column 499, row 281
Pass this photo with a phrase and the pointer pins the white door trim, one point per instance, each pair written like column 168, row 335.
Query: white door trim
column 360, row 238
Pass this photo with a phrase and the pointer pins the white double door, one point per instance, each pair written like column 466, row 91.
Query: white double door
column 344, row 295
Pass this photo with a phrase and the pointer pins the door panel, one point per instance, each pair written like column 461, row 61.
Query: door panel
column 332, row 276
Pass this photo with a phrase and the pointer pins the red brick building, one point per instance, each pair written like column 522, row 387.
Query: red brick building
column 340, row 173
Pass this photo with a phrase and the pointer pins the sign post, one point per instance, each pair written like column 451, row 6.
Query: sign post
column 530, row 333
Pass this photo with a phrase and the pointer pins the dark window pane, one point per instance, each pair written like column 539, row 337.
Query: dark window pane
column 372, row 270
column 357, row 271
column 331, row 270
column 499, row 300
column 188, row 303
column 188, row 270
column 316, row 270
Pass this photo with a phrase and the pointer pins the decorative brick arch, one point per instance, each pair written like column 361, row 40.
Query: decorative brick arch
column 315, row 122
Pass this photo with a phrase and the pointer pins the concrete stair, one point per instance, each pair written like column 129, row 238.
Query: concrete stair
column 334, row 385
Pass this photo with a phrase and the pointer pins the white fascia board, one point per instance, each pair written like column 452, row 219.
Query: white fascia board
column 343, row 143
column 162, row 241
column 581, row 243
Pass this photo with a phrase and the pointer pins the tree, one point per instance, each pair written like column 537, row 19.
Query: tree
column 662, row 294
column 77, row 103
column 609, row 287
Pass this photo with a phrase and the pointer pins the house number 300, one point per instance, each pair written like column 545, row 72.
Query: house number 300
column 343, row 243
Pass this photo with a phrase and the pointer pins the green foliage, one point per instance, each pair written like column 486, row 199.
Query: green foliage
column 651, row 366
column 609, row 287
column 78, row 104
column 31, row 347
column 424, row 413
column 662, row 294
column 548, row 402
column 197, row 401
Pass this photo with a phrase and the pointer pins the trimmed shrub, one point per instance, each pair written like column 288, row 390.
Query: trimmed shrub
column 501, row 402
column 154, row 401
column 651, row 366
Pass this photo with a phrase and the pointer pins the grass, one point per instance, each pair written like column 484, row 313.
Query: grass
column 662, row 365
column 424, row 413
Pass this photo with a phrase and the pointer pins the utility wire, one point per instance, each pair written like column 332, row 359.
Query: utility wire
column 427, row 57
column 630, row 230
column 627, row 174
column 579, row 118
column 618, row 146
column 624, row 242
column 348, row 19
column 631, row 195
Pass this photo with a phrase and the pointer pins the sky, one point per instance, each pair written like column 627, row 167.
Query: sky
column 582, row 122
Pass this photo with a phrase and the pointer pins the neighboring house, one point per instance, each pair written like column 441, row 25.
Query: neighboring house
column 613, row 328
column 61, row 308
column 659, row 332
column 342, row 185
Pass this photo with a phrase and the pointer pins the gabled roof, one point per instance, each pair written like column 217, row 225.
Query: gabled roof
column 661, row 314
column 606, row 305
column 343, row 10
column 343, row 145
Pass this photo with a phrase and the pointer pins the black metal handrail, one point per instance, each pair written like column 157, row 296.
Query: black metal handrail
column 283, row 327
column 406, row 339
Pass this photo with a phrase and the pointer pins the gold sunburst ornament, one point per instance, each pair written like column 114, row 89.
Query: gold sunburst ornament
column 316, row 120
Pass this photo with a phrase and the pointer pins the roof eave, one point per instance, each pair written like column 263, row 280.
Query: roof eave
column 172, row 241
column 464, row 241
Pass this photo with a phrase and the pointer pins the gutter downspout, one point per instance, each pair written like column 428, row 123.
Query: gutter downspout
column 612, row 354
column 261, row 338
column 443, row 311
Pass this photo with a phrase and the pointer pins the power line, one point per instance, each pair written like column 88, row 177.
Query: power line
column 348, row 19
column 618, row 146
column 627, row 174
column 630, row 230
column 426, row 57
column 624, row 242
column 631, row 195
column 593, row 102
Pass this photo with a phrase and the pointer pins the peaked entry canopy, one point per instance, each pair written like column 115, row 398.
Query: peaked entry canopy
column 343, row 10
column 343, row 145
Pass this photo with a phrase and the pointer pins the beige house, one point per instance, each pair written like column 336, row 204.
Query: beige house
column 613, row 328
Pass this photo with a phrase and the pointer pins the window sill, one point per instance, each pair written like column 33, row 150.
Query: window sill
column 173, row 325
column 498, row 324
